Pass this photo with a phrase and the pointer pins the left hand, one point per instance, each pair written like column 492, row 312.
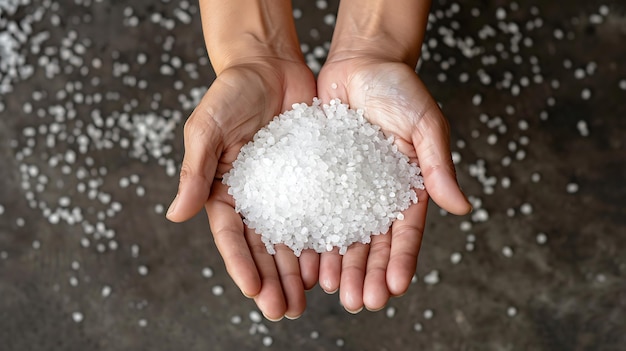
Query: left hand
column 393, row 97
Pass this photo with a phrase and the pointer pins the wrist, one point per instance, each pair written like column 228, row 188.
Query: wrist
column 241, row 31
column 373, row 29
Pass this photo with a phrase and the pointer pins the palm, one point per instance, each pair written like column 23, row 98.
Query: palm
column 394, row 98
column 243, row 99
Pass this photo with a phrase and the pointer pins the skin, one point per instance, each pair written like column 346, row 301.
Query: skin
column 260, row 70
column 371, row 66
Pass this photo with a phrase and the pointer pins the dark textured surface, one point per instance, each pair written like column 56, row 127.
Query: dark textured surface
column 568, row 294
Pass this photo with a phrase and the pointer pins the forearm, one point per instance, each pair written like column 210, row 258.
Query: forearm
column 237, row 30
column 389, row 29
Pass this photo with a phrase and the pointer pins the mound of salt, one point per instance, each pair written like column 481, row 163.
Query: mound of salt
column 321, row 176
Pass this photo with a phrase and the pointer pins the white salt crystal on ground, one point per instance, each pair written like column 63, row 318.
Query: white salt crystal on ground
column 319, row 177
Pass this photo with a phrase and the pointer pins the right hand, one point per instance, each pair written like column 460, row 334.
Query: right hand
column 242, row 99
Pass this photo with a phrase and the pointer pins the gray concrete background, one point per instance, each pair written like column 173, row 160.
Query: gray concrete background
column 80, row 215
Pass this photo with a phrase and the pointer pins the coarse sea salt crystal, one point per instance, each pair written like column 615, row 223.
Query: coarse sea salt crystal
column 321, row 176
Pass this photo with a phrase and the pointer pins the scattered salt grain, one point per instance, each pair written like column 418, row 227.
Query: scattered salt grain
column 541, row 238
column 583, row 129
column 507, row 251
column 390, row 312
column 465, row 226
column 526, row 208
column 255, row 316
column 511, row 311
column 142, row 323
column 207, row 272
column 267, row 340
column 571, row 188
column 418, row 327
column 106, row 291
column 428, row 314
column 319, row 177
column 432, row 278
column 480, row 215
column 143, row 270
column 236, row 319
column 535, row 177
column 77, row 317
column 455, row 257
column 217, row 290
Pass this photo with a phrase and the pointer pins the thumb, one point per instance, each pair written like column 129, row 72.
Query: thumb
column 202, row 149
column 432, row 145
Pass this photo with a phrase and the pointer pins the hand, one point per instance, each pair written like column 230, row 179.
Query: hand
column 393, row 97
column 242, row 99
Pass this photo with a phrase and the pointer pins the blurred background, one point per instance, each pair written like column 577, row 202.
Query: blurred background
column 93, row 97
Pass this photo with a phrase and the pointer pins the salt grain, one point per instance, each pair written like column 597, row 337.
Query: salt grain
column 236, row 319
column 267, row 341
column 455, row 257
column 207, row 272
column 287, row 180
column 217, row 290
column 255, row 316
column 541, row 238
column 432, row 278
column 571, row 188
column 77, row 317
column 142, row 270
column 526, row 208
column 106, row 291
column 511, row 311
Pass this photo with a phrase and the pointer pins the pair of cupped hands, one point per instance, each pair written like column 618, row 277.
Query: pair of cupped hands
column 244, row 97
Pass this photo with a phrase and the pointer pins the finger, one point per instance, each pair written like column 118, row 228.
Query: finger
column 352, row 277
column 271, row 298
column 432, row 146
column 228, row 233
column 202, row 147
column 291, row 280
column 406, row 239
column 330, row 271
column 309, row 268
column 375, row 291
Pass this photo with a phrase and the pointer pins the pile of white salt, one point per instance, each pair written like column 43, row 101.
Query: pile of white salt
column 321, row 176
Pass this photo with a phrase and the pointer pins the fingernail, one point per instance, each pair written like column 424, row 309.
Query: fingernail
column 293, row 318
column 273, row 319
column 326, row 284
column 172, row 207
column 375, row 309
column 355, row 311
column 330, row 292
